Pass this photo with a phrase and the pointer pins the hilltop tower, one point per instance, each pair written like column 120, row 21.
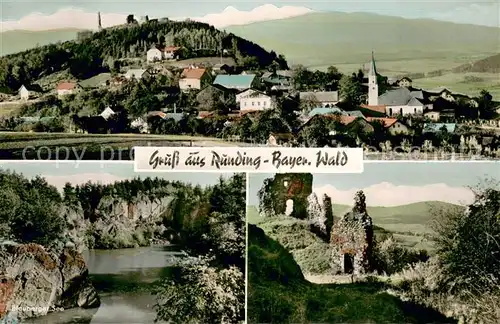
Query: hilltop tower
column 99, row 23
column 372, row 84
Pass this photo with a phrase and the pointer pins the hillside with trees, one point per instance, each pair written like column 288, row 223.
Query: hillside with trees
column 491, row 64
column 102, row 51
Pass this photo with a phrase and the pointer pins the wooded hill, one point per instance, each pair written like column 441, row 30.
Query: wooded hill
column 100, row 51
column 491, row 64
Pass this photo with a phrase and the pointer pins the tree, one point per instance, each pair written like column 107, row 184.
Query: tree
column 486, row 106
column 468, row 246
column 350, row 90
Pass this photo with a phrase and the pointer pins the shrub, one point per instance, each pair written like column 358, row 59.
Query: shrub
column 199, row 293
column 391, row 258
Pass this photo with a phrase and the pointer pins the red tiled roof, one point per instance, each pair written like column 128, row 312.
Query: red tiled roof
column 171, row 48
column 345, row 120
column 205, row 114
column 245, row 112
column 66, row 86
column 379, row 108
column 160, row 114
column 387, row 122
column 193, row 73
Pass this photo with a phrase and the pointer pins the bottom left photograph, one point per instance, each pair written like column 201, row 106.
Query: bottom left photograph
column 84, row 242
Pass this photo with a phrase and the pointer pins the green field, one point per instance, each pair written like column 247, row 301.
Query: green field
column 91, row 146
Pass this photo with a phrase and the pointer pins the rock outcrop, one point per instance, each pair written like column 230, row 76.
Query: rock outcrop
column 35, row 281
column 117, row 223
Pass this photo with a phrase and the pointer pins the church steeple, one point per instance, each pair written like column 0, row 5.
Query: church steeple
column 373, row 69
column 99, row 24
column 372, row 84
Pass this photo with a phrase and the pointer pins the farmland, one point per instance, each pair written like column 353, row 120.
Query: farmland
column 22, row 145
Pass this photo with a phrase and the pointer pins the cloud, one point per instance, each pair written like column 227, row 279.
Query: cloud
column 388, row 195
column 78, row 179
column 486, row 14
column 77, row 18
column 232, row 16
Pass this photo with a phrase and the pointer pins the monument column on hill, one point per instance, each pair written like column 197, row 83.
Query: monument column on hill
column 372, row 84
column 99, row 23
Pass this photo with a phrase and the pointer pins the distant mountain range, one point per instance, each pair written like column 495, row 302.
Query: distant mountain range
column 330, row 38
column 419, row 213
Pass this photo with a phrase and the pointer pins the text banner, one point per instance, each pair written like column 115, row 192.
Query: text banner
column 253, row 159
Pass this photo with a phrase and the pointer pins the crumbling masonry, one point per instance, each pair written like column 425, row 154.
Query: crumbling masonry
column 295, row 187
column 352, row 240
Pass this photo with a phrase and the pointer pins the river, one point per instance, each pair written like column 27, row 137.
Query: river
column 120, row 277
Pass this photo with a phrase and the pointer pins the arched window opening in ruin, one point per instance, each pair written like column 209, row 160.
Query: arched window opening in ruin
column 348, row 263
column 289, row 207
column 285, row 183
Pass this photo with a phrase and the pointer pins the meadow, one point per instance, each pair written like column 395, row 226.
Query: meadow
column 13, row 145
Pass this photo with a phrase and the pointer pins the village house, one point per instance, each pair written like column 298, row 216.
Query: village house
column 26, row 92
column 326, row 111
column 221, row 68
column 66, row 88
column 324, row 98
column 279, row 80
column 194, row 78
column 107, row 113
column 256, row 100
column 392, row 125
column 404, row 82
column 137, row 74
column 432, row 115
column 236, row 81
column 280, row 139
column 159, row 53
column 355, row 113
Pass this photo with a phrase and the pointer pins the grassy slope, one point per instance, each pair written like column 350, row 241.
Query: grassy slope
column 19, row 40
column 407, row 223
column 278, row 293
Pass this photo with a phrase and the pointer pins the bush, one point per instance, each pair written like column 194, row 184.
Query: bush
column 391, row 258
column 199, row 293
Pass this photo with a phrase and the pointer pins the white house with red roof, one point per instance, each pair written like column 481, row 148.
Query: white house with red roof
column 159, row 53
column 66, row 88
column 193, row 78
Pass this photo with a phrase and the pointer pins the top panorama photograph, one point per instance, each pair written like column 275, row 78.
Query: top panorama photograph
column 407, row 80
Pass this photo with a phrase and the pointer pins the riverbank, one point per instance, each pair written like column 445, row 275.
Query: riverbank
column 124, row 279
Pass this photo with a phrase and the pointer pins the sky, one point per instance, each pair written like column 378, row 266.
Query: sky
column 395, row 184
column 75, row 172
column 486, row 12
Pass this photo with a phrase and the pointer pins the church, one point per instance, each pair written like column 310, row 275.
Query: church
column 399, row 101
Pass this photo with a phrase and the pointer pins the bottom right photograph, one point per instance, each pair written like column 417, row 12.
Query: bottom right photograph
column 400, row 243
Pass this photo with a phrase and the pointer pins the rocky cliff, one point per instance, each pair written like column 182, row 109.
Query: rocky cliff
column 117, row 223
column 35, row 281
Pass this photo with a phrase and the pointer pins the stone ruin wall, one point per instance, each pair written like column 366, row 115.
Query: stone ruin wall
column 292, row 186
